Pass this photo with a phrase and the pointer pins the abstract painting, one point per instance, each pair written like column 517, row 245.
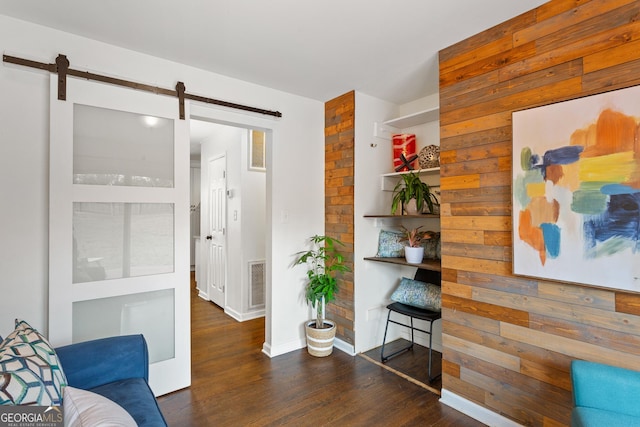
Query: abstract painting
column 576, row 190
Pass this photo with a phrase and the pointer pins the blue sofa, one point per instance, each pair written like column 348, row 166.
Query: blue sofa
column 604, row 395
column 118, row 369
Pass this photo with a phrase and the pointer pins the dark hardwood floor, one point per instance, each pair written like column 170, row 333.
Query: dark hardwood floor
column 413, row 363
column 235, row 384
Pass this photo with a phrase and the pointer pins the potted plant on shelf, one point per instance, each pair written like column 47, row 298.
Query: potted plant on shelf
column 414, row 250
column 411, row 194
column 323, row 262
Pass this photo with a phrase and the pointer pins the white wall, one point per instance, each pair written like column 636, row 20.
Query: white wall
column 295, row 186
column 252, row 217
column 374, row 282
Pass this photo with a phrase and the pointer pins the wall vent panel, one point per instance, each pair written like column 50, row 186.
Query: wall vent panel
column 257, row 282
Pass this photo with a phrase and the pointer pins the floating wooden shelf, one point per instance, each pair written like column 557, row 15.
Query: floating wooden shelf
column 425, row 116
column 431, row 176
column 426, row 264
column 418, row 171
column 423, row 216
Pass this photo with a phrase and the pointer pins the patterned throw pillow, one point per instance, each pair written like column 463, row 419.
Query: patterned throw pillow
column 30, row 373
column 418, row 294
column 390, row 244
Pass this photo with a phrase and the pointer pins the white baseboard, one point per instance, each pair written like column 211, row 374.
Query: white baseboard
column 273, row 351
column 297, row 345
column 232, row 313
column 344, row 346
column 266, row 348
column 243, row 317
column 253, row 315
column 475, row 411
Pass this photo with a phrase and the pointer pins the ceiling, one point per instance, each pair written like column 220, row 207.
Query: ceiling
column 317, row 49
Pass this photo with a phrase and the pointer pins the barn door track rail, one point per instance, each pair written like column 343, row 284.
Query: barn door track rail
column 61, row 67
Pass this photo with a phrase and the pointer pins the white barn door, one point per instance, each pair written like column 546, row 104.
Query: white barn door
column 119, row 223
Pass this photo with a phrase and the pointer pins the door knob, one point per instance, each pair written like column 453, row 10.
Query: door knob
column 209, row 237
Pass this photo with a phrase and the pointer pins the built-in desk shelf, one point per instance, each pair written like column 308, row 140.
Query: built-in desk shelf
column 430, row 171
column 426, row 264
column 382, row 220
column 423, row 216
column 389, row 181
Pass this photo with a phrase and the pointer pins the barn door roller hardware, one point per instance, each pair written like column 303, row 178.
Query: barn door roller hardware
column 61, row 67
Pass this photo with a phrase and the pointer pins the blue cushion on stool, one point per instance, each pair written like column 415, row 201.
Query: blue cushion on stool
column 418, row 294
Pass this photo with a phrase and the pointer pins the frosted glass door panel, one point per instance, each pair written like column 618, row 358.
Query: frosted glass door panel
column 149, row 313
column 117, row 240
column 121, row 148
column 119, row 223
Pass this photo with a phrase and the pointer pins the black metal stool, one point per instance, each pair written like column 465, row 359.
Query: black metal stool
column 414, row 313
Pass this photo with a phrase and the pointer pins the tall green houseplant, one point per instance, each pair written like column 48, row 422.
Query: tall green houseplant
column 412, row 187
column 323, row 261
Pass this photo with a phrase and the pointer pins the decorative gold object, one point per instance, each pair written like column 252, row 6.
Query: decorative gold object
column 429, row 157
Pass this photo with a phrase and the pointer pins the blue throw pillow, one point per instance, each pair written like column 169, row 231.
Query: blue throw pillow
column 390, row 244
column 418, row 294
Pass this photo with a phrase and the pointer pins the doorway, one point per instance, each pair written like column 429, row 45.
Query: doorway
column 233, row 219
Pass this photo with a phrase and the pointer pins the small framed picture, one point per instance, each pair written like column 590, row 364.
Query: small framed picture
column 257, row 151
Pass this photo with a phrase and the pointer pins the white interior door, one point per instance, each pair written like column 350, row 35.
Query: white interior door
column 216, row 239
column 119, row 223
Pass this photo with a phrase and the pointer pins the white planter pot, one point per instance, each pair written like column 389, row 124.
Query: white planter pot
column 413, row 255
column 410, row 207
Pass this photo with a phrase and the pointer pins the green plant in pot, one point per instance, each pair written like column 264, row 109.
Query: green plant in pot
column 324, row 261
column 414, row 250
column 409, row 188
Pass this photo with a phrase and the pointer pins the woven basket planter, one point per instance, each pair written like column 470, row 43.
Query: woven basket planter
column 320, row 341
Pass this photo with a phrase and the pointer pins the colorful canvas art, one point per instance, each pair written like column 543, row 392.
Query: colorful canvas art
column 576, row 190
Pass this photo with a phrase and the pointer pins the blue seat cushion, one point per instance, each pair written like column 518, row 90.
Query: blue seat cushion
column 135, row 396
column 590, row 417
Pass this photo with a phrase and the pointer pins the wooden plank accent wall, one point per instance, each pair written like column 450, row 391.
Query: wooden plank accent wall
column 339, row 213
column 508, row 341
